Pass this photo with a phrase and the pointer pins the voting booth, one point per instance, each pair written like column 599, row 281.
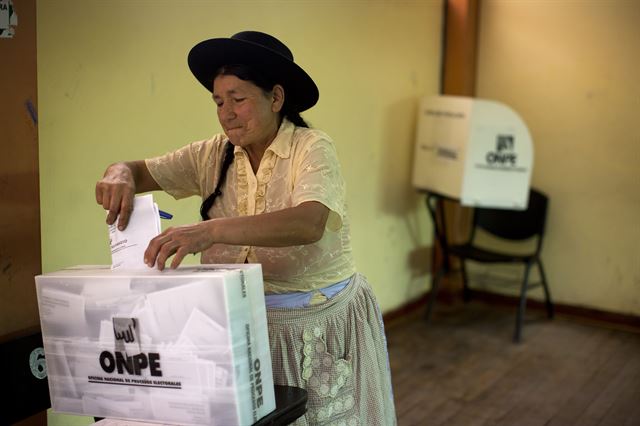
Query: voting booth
column 473, row 150
column 187, row 346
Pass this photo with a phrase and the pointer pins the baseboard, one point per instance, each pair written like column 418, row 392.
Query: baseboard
column 406, row 310
column 590, row 315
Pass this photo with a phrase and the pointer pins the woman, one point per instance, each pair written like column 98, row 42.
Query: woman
column 273, row 194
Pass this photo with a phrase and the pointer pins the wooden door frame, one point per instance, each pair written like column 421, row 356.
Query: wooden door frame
column 458, row 78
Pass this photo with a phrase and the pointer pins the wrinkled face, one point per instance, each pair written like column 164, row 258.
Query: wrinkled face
column 248, row 115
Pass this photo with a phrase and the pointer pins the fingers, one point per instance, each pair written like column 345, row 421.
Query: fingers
column 126, row 207
column 114, row 209
column 151, row 253
column 98, row 193
column 118, row 201
column 167, row 250
column 179, row 256
column 161, row 248
column 177, row 242
column 103, row 195
column 115, row 192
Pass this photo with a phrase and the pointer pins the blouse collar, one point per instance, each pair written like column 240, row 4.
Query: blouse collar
column 281, row 145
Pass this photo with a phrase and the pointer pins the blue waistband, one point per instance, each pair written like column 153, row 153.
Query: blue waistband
column 301, row 299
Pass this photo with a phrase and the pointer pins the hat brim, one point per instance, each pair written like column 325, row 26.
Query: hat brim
column 208, row 56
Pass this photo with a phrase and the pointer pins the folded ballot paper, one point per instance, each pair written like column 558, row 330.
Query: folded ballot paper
column 128, row 246
column 186, row 346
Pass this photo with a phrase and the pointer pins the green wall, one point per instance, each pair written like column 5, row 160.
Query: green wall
column 114, row 85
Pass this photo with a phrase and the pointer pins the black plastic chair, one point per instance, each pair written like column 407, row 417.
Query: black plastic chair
column 513, row 225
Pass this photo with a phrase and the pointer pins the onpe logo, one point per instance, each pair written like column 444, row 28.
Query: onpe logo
column 127, row 340
column 505, row 151
column 125, row 329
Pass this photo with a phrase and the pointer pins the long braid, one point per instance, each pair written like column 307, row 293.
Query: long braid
column 226, row 163
column 295, row 118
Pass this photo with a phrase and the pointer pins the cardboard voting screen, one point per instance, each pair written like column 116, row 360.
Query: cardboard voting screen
column 474, row 150
column 188, row 346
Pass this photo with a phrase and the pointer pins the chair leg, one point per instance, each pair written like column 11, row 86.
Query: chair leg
column 547, row 293
column 435, row 285
column 523, row 304
column 466, row 291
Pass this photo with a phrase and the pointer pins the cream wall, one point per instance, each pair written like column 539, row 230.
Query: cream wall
column 570, row 68
column 114, row 85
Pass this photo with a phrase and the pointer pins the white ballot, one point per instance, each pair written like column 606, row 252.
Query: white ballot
column 187, row 346
column 128, row 246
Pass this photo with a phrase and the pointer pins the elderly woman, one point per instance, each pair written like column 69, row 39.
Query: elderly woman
column 273, row 194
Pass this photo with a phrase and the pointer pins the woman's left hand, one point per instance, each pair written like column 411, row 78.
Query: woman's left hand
column 178, row 241
column 303, row 224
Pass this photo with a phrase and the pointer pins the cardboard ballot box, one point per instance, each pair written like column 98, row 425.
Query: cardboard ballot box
column 474, row 150
column 187, row 346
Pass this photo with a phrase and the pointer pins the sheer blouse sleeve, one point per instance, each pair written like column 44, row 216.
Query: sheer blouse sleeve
column 187, row 171
column 318, row 178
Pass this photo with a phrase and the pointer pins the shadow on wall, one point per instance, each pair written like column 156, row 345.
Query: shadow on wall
column 419, row 261
column 397, row 195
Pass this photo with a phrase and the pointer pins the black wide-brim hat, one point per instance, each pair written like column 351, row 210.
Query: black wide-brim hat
column 259, row 50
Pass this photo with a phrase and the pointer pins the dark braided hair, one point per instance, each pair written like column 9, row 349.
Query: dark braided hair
column 266, row 83
column 226, row 163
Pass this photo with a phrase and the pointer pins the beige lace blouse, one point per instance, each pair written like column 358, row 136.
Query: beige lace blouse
column 300, row 165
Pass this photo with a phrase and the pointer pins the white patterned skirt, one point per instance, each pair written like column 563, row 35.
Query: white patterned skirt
column 337, row 351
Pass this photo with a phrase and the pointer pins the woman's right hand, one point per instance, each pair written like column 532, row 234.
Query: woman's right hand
column 115, row 192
